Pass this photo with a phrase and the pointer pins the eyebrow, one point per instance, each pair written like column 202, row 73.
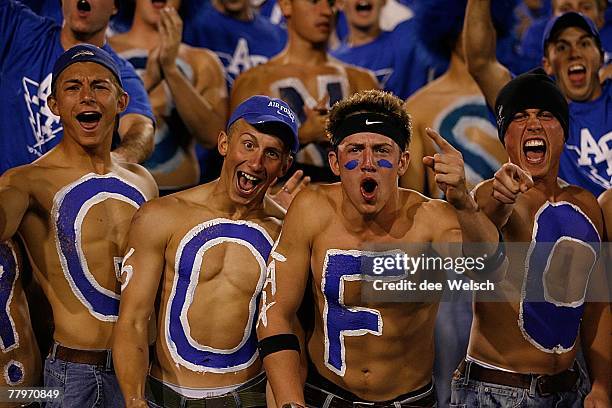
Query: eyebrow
column 249, row 135
column 80, row 82
column 355, row 144
column 382, row 144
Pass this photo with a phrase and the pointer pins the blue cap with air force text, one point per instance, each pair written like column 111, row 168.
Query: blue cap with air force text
column 263, row 110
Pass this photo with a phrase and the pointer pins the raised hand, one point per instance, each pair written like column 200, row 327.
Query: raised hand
column 510, row 181
column 170, row 34
column 449, row 172
column 313, row 128
column 153, row 75
column 289, row 190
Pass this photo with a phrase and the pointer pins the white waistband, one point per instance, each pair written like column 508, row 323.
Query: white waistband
column 200, row 392
column 487, row 365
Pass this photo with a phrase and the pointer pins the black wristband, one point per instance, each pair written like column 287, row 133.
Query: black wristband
column 497, row 258
column 276, row 343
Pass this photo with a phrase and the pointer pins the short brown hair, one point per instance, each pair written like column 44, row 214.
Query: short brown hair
column 372, row 100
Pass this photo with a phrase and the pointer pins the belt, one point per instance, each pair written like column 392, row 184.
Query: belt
column 544, row 384
column 251, row 394
column 317, row 397
column 102, row 358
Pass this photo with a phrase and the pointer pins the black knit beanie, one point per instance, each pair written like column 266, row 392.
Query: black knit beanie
column 531, row 90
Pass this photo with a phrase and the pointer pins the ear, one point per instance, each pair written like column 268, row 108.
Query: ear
column 404, row 160
column 122, row 103
column 547, row 66
column 223, row 143
column 52, row 104
column 286, row 7
column 334, row 164
column 286, row 165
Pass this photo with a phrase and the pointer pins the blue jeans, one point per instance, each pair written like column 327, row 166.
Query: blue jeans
column 471, row 393
column 82, row 385
column 451, row 338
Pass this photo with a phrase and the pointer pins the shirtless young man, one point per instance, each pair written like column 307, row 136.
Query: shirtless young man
column 19, row 354
column 29, row 46
column 186, row 89
column 73, row 207
column 359, row 353
column 522, row 348
column 307, row 78
column 205, row 251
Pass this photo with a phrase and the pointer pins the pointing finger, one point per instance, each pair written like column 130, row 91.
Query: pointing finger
column 442, row 143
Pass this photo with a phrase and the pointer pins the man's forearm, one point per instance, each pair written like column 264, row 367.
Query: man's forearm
column 476, row 227
column 478, row 35
column 283, row 373
column 137, row 138
column 480, row 238
column 131, row 361
column 201, row 118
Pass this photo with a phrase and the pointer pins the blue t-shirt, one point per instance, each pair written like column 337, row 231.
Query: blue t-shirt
column 399, row 63
column 29, row 46
column 586, row 160
column 239, row 44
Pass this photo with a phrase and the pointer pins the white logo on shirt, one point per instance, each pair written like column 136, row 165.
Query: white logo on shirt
column 45, row 125
column 593, row 152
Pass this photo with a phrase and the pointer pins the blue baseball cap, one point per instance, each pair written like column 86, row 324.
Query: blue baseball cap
column 84, row 53
column 569, row 19
column 263, row 110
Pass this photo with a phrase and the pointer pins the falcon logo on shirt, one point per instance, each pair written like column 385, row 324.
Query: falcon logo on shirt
column 44, row 124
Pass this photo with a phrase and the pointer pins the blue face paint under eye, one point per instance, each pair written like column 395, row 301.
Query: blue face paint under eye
column 351, row 164
column 385, row 163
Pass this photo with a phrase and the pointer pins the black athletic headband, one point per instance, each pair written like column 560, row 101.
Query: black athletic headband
column 371, row 122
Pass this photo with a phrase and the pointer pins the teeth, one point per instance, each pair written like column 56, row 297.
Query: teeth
column 534, row 143
column 249, row 177
column 577, row 67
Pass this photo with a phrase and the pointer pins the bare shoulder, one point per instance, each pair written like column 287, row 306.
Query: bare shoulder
column 27, row 178
column 424, row 99
column 586, row 201
column 120, row 42
column 415, row 203
column 140, row 177
column 314, row 206
column 252, row 78
column 360, row 78
column 250, row 82
column 605, row 200
column 162, row 215
column 201, row 58
column 16, row 175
